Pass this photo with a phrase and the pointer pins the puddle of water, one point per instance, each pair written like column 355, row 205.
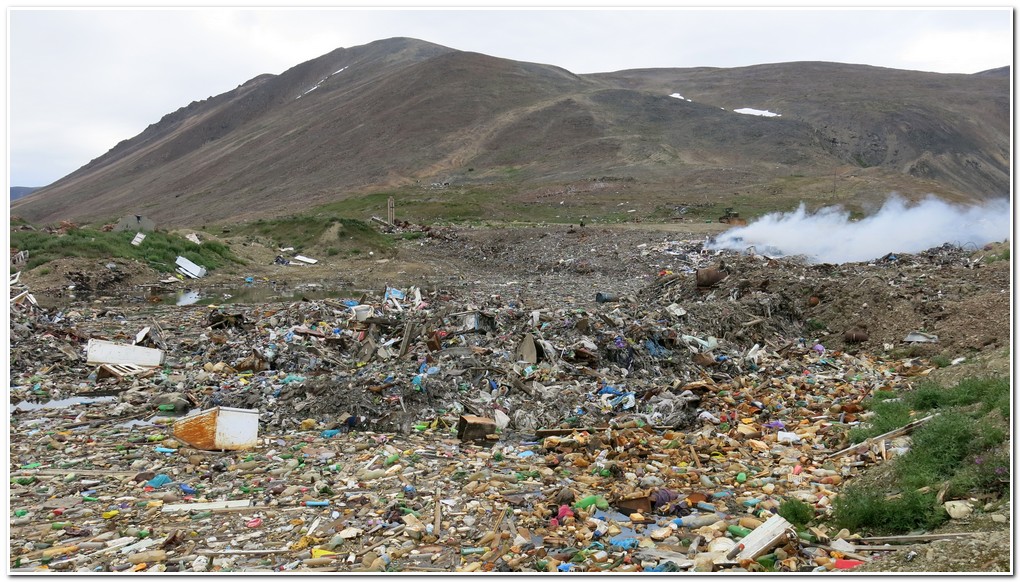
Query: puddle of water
column 64, row 403
column 255, row 295
column 188, row 297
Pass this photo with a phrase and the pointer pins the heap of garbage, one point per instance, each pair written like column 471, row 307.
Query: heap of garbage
column 649, row 428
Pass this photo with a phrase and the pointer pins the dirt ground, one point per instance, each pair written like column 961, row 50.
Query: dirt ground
column 957, row 295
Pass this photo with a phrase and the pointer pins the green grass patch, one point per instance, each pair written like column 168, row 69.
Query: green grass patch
column 815, row 325
column 964, row 447
column 888, row 415
column 940, row 446
column 869, row 509
column 986, row 394
column 796, row 512
column 987, row 472
column 159, row 249
column 315, row 230
column 1001, row 256
column 879, row 395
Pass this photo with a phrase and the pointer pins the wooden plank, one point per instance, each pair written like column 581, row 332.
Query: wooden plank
column 909, row 539
column 179, row 507
column 408, row 331
column 241, row 552
column 846, row 553
column 438, row 521
column 765, row 537
column 882, row 437
column 547, row 432
column 121, row 371
column 17, row 298
column 70, row 470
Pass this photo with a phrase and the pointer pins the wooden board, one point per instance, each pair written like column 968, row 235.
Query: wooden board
column 766, row 536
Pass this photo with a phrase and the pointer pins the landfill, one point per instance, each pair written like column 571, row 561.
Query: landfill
column 460, row 426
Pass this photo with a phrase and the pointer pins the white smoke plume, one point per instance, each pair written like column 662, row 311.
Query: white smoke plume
column 830, row 236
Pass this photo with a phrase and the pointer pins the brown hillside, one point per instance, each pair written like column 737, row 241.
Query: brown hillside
column 399, row 113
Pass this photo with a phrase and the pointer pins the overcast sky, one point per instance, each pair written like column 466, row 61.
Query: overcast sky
column 81, row 80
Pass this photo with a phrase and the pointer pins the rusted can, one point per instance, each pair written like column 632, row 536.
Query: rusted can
column 709, row 277
column 856, row 336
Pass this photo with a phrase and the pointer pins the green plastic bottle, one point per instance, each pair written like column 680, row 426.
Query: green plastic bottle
column 596, row 500
column 738, row 531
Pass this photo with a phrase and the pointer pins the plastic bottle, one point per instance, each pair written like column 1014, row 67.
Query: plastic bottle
column 373, row 474
column 148, row 556
column 738, row 531
column 696, row 520
column 596, row 500
column 200, row 564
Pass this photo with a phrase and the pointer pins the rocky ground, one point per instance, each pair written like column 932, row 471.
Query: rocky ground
column 857, row 314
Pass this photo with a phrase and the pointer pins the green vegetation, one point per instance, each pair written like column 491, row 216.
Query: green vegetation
column 1001, row 256
column 796, row 512
column 860, row 508
column 888, row 414
column 159, row 249
column 987, row 394
column 815, row 325
column 941, row 446
column 331, row 232
column 964, row 448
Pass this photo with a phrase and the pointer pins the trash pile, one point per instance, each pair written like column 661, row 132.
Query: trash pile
column 649, row 428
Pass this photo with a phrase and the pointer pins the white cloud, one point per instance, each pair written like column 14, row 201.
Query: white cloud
column 967, row 51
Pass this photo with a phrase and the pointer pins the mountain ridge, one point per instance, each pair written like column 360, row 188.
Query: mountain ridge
column 397, row 114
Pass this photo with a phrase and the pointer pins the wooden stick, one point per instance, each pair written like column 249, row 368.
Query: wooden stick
column 693, row 550
column 437, row 522
column 83, row 472
column 827, row 548
column 891, row 434
column 911, row 539
column 240, row 552
column 395, row 531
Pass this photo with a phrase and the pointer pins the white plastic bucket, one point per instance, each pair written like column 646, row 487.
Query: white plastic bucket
column 362, row 312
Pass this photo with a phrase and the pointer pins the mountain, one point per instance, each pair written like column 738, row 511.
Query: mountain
column 402, row 116
column 22, row 191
